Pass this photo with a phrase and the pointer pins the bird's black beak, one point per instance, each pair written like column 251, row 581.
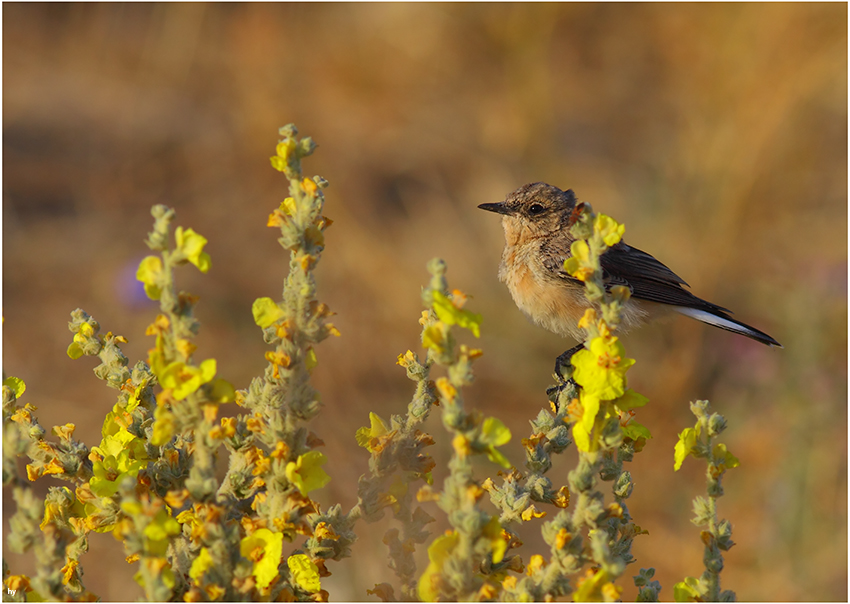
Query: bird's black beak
column 499, row 208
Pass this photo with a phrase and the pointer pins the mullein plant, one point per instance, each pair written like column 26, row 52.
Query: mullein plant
column 699, row 442
column 603, row 429
column 397, row 456
column 255, row 533
column 470, row 561
column 152, row 482
column 599, row 407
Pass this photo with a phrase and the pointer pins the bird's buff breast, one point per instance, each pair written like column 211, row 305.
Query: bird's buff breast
column 549, row 301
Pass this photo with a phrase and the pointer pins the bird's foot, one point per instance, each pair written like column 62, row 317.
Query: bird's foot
column 563, row 360
column 566, row 388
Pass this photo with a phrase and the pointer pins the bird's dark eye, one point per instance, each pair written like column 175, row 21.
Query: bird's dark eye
column 535, row 209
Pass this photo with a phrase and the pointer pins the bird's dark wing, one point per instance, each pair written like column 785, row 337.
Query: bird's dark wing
column 648, row 278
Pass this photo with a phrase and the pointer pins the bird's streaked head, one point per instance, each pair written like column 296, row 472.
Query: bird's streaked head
column 534, row 210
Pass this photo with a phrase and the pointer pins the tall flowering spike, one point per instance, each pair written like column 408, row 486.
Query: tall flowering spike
column 601, row 411
column 717, row 534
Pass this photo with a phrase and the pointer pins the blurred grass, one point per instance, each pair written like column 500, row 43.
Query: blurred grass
column 716, row 132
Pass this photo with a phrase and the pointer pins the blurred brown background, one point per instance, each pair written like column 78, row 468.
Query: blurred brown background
column 716, row 132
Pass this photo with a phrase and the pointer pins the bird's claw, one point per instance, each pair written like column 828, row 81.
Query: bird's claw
column 565, row 383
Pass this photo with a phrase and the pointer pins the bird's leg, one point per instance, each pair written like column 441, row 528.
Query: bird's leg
column 565, row 384
column 564, row 361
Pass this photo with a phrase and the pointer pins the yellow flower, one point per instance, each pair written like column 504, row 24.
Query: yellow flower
column 34, row 473
column 562, row 499
column 159, row 531
column 588, row 318
column 119, row 460
column 435, row 336
column 150, row 273
column 589, row 407
column 535, row 564
column 438, row 553
column 163, row 426
column 185, row 379
column 222, row 391
column 265, row 549
column 54, row 467
column 215, row 592
column 531, row 512
column 562, row 538
column 84, row 342
column 462, row 446
column 687, row 591
column 601, row 371
column 446, row 389
column 367, row 437
column 69, row 571
column 16, row 582
column 228, row 426
column 286, row 153
column 451, row 313
column 304, row 573
column 16, row 384
column 684, row 446
column 595, row 587
column 197, row 529
column 278, row 359
column 306, row 473
column 176, row 499
column 727, row 460
column 495, row 434
column 324, row 530
column 493, row 531
column 407, row 359
column 56, row 511
column 281, row 450
column 470, row 353
column 578, row 264
column 609, row 229
column 311, row 361
column 200, row 565
column 191, row 245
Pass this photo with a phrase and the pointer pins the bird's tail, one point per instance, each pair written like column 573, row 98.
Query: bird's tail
column 724, row 321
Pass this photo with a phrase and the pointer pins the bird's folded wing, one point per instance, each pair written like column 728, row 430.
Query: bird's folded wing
column 646, row 277
column 649, row 279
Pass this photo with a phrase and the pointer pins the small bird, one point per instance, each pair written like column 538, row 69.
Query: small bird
column 536, row 219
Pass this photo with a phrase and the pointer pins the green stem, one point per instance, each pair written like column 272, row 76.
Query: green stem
column 713, row 577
